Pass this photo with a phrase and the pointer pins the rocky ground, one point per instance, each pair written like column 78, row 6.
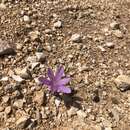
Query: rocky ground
column 91, row 39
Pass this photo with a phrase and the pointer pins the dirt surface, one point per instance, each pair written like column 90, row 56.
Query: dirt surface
column 91, row 39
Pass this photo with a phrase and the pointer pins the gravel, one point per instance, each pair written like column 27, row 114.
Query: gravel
column 90, row 39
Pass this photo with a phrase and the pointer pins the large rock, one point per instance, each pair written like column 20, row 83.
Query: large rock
column 6, row 48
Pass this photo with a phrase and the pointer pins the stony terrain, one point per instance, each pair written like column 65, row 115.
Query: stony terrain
column 91, row 39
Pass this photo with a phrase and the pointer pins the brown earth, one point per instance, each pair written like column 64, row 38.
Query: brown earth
column 93, row 63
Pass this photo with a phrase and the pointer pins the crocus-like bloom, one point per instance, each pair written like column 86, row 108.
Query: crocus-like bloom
column 56, row 82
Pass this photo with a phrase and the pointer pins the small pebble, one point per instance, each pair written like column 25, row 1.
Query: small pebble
column 86, row 79
column 37, row 81
column 18, row 78
column 19, row 103
column 101, row 48
column 108, row 128
column 123, row 82
column 26, row 18
column 115, row 25
column 5, row 99
column 81, row 114
column 76, row 38
column 44, row 115
column 23, row 73
column 115, row 114
column 16, row 94
column 41, row 57
column 95, row 96
column 23, row 122
column 34, row 65
column 48, row 48
column 72, row 111
column 10, row 87
column 57, row 102
column 48, row 31
column 6, row 49
column 19, row 46
column 2, row 6
column 58, row 24
column 124, row 87
column 8, row 110
column 110, row 44
column 118, row 33
column 31, row 59
column 4, row 78
column 107, row 123
column 34, row 35
column 40, row 97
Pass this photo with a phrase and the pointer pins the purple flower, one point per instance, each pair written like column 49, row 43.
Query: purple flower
column 56, row 82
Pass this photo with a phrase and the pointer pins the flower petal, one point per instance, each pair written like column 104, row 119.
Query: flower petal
column 59, row 73
column 63, row 81
column 50, row 74
column 44, row 80
column 53, row 89
column 64, row 89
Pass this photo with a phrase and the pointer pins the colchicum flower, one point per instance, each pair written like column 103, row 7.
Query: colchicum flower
column 56, row 82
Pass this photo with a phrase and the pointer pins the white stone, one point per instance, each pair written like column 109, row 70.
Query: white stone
column 108, row 128
column 26, row 18
column 101, row 48
column 40, row 56
column 37, row 81
column 110, row 44
column 4, row 78
column 57, row 102
column 18, row 78
column 58, row 24
column 76, row 38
